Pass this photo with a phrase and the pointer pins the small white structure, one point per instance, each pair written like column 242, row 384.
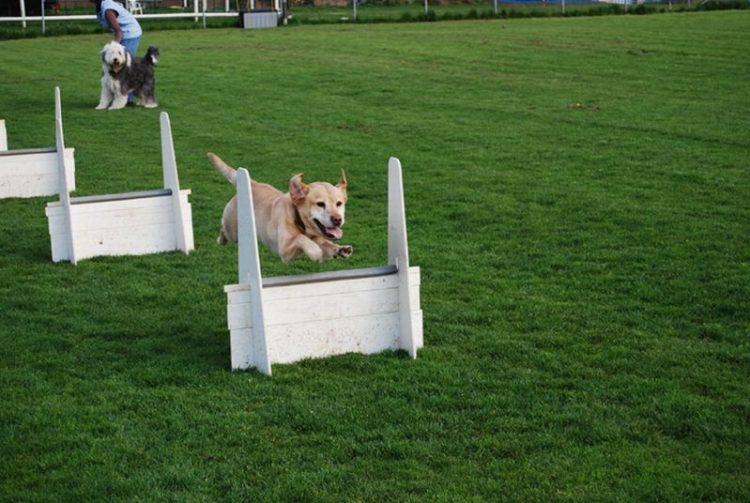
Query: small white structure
column 132, row 223
column 35, row 172
column 262, row 14
column 291, row 318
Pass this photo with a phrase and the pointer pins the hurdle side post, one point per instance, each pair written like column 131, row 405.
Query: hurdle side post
column 63, row 180
column 3, row 136
column 398, row 254
column 70, row 183
column 249, row 271
column 172, row 182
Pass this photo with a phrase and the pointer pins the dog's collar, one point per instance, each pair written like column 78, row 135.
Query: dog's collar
column 298, row 221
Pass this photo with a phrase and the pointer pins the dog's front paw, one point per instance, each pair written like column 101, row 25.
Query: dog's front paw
column 101, row 106
column 150, row 105
column 118, row 103
column 344, row 251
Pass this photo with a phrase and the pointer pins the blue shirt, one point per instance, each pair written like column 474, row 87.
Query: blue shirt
column 128, row 23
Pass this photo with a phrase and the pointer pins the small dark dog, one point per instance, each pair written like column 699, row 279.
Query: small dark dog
column 123, row 75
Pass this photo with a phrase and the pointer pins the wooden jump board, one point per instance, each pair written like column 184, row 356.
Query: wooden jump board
column 34, row 172
column 105, row 198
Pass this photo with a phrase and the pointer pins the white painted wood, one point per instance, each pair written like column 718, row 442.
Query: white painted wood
column 131, row 223
column 249, row 272
column 345, row 299
column 291, row 318
column 183, row 233
column 67, row 245
column 33, row 173
column 398, row 254
column 3, row 136
column 36, row 172
column 290, row 340
column 119, row 227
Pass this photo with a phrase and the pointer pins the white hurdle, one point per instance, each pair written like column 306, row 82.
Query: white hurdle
column 35, row 172
column 131, row 223
column 290, row 318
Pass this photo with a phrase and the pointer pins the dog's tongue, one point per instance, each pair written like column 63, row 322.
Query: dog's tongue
column 335, row 232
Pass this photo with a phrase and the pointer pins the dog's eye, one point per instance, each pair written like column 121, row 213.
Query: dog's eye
column 338, row 204
column 322, row 205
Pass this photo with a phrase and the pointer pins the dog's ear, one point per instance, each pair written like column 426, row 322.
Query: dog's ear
column 342, row 182
column 297, row 189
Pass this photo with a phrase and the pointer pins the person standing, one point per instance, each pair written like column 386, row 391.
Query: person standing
column 123, row 25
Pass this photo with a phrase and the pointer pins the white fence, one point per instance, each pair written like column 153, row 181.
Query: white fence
column 196, row 15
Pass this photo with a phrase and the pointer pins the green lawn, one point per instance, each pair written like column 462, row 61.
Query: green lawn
column 577, row 196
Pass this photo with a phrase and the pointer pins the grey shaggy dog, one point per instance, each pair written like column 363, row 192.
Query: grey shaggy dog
column 123, row 74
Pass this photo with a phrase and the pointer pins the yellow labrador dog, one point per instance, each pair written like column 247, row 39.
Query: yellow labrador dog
column 304, row 220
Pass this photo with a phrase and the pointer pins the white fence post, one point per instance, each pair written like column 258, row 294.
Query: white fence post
column 23, row 12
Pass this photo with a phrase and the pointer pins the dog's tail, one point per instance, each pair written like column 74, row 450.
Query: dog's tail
column 152, row 55
column 229, row 172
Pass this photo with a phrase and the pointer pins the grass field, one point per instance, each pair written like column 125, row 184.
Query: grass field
column 367, row 13
column 577, row 196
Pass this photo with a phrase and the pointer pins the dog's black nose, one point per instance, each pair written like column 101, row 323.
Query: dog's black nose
column 336, row 221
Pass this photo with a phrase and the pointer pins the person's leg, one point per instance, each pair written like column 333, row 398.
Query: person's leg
column 131, row 44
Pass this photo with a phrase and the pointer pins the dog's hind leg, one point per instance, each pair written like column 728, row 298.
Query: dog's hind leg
column 147, row 101
column 147, row 97
column 223, row 238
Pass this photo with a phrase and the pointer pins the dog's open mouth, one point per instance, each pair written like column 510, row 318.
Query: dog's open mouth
column 329, row 232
